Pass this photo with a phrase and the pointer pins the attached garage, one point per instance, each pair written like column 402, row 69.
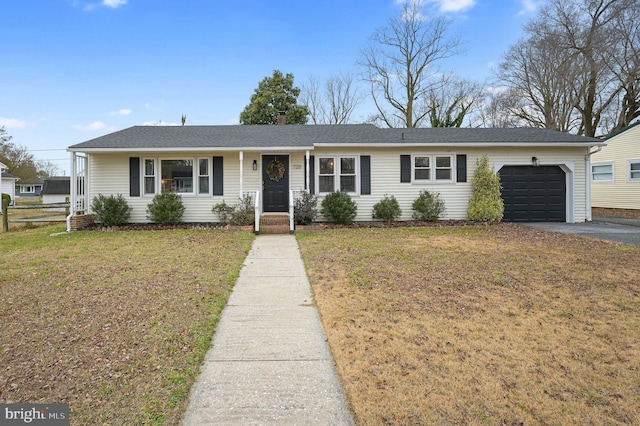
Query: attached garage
column 534, row 194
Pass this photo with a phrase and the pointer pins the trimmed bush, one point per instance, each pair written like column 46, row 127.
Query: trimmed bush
column 305, row 208
column 242, row 213
column 427, row 207
column 110, row 211
column 166, row 209
column 338, row 207
column 6, row 197
column 485, row 204
column 387, row 209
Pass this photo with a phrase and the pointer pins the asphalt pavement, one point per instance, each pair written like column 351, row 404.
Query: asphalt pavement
column 602, row 227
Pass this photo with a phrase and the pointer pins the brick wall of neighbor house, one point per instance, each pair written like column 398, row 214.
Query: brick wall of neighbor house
column 81, row 222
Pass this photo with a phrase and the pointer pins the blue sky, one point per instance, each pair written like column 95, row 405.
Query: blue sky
column 73, row 70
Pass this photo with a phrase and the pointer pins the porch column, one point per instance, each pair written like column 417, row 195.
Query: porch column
column 306, row 177
column 241, row 172
column 74, row 185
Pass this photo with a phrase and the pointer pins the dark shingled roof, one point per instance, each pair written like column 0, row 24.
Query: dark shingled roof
column 307, row 136
column 59, row 185
column 9, row 176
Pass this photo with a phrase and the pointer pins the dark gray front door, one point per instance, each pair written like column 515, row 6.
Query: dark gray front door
column 275, row 183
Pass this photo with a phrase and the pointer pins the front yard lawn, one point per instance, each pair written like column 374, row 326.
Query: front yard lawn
column 116, row 324
column 480, row 325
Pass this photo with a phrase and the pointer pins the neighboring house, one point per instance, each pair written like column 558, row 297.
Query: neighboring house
column 543, row 172
column 29, row 188
column 615, row 171
column 56, row 190
column 7, row 184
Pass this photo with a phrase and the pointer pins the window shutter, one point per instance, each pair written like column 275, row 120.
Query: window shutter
column 134, row 176
column 365, row 174
column 461, row 168
column 312, row 174
column 218, row 176
column 405, row 168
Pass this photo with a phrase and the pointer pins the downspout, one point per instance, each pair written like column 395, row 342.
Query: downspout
column 587, row 168
column 74, row 190
column 306, row 177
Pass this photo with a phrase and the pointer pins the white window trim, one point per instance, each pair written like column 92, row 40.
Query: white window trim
column 157, row 168
column 603, row 163
column 336, row 172
column 432, row 168
column 629, row 162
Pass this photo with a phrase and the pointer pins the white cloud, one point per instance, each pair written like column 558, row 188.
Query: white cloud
column 454, row 5
column 114, row 3
column 159, row 123
column 93, row 127
column 528, row 6
column 14, row 123
column 123, row 111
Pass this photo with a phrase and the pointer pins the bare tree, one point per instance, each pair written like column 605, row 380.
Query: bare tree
column 496, row 109
column 334, row 102
column 572, row 67
column 453, row 100
column 400, row 64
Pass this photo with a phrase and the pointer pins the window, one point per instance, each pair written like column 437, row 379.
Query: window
column 149, row 176
column 602, row 172
column 343, row 177
column 177, row 176
column 203, row 176
column 424, row 170
column 634, row 170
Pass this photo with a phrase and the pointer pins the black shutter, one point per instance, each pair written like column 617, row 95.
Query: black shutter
column 218, row 176
column 461, row 168
column 405, row 168
column 134, row 176
column 365, row 174
column 312, row 174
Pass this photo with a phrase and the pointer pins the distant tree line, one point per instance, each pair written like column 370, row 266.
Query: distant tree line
column 20, row 162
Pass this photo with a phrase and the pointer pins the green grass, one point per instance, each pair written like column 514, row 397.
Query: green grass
column 116, row 324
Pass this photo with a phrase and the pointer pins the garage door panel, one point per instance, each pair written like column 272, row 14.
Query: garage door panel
column 533, row 194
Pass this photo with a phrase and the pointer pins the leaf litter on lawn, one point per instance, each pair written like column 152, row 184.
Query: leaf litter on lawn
column 114, row 324
column 480, row 324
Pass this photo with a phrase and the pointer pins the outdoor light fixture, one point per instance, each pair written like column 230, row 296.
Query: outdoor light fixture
column 255, row 164
column 535, row 161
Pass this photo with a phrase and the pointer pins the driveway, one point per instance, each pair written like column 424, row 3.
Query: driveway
column 604, row 228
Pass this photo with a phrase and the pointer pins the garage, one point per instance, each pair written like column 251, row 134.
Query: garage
column 534, row 194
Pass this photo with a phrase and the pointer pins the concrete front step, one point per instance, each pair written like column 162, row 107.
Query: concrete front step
column 274, row 224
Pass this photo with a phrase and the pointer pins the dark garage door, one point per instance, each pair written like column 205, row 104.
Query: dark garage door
column 534, row 194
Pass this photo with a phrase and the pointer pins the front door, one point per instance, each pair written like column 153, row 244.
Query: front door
column 275, row 183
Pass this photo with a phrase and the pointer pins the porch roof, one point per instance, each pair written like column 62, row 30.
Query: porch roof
column 302, row 137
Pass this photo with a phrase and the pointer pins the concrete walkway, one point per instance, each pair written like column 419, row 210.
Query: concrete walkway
column 269, row 363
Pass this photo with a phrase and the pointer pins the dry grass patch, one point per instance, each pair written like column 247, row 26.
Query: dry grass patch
column 116, row 324
column 480, row 325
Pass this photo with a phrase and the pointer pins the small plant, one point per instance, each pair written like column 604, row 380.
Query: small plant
column 339, row 208
column 427, row 207
column 166, row 209
column 223, row 211
column 242, row 213
column 6, row 199
column 485, row 204
column 387, row 209
column 110, row 211
column 305, row 208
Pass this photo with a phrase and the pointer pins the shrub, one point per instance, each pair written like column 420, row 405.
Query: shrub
column 305, row 208
column 110, row 211
column 6, row 199
column 242, row 213
column 339, row 207
column 427, row 207
column 387, row 209
column 485, row 204
column 166, row 209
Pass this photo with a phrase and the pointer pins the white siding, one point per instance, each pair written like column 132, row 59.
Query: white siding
column 109, row 175
column 621, row 193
